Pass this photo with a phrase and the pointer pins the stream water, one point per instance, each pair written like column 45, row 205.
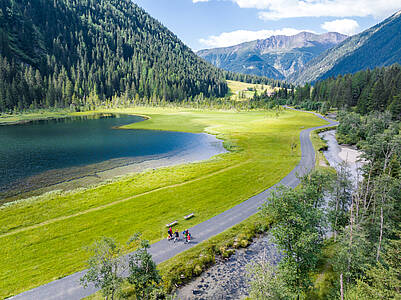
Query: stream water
column 332, row 155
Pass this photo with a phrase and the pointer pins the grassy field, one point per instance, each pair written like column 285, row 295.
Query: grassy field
column 237, row 88
column 37, row 115
column 187, row 265
column 44, row 239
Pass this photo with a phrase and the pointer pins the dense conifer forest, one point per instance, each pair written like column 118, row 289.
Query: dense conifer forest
column 363, row 92
column 254, row 79
column 366, row 91
column 81, row 52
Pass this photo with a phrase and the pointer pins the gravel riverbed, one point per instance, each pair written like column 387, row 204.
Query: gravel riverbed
column 227, row 279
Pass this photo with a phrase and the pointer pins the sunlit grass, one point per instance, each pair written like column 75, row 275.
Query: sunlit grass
column 44, row 239
column 237, row 88
column 34, row 115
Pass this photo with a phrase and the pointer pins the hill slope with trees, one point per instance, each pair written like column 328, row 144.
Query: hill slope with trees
column 367, row 91
column 82, row 52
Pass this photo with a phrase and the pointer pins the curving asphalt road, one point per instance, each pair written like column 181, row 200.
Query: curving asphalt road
column 69, row 288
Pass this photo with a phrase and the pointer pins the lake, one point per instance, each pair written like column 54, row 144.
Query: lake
column 46, row 152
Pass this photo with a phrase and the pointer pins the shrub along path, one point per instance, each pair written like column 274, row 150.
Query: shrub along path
column 70, row 288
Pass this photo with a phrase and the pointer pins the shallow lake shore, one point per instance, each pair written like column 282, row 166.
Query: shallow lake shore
column 91, row 175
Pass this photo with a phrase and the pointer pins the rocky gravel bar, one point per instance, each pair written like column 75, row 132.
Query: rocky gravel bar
column 227, row 279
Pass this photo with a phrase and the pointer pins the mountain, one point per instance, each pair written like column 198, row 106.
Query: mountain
column 276, row 57
column 84, row 52
column 375, row 47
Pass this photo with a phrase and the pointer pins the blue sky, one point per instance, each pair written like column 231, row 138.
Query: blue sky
column 219, row 23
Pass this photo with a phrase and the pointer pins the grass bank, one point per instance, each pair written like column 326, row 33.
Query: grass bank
column 7, row 119
column 320, row 145
column 323, row 276
column 191, row 263
column 44, row 239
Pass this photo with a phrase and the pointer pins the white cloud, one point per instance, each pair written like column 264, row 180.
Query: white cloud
column 344, row 26
column 226, row 39
column 282, row 9
column 259, row 4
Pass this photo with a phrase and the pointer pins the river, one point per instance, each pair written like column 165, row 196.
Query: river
column 337, row 154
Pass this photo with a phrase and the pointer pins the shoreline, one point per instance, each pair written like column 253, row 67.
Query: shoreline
column 338, row 154
column 43, row 117
column 90, row 176
column 349, row 154
column 35, row 116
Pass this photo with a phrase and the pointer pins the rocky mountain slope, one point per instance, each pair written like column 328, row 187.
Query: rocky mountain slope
column 375, row 47
column 276, row 57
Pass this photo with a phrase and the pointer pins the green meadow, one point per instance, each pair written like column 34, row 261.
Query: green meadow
column 44, row 238
column 34, row 115
column 246, row 90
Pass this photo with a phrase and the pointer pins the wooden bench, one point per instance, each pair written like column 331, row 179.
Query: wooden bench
column 189, row 216
column 172, row 224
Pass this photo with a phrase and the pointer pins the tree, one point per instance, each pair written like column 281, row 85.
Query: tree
column 314, row 186
column 143, row 274
column 349, row 129
column 297, row 232
column 340, row 199
column 266, row 281
column 324, row 109
column 377, row 100
column 383, row 281
column 104, row 268
column 395, row 107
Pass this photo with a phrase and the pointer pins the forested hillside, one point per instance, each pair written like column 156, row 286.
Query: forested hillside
column 370, row 90
column 82, row 52
column 249, row 78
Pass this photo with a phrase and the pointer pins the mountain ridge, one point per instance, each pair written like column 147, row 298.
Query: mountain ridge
column 275, row 57
column 377, row 46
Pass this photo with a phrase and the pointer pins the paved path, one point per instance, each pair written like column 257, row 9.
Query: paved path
column 69, row 288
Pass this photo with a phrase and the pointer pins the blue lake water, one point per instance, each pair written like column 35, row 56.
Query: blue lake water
column 37, row 147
